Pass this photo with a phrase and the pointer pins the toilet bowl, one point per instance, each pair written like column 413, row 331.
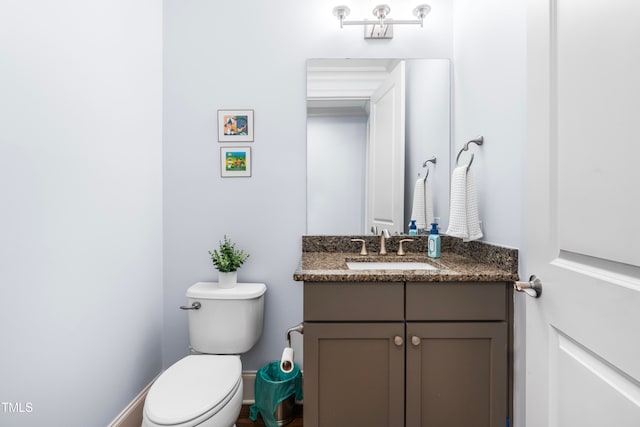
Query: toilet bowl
column 198, row 390
column 205, row 389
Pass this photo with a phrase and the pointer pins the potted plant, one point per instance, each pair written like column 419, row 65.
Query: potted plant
column 227, row 260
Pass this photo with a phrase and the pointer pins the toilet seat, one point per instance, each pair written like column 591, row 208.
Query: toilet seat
column 193, row 390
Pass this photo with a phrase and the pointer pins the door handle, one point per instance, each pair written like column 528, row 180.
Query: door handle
column 533, row 287
column 398, row 341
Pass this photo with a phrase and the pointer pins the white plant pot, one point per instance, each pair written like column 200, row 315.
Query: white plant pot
column 227, row 280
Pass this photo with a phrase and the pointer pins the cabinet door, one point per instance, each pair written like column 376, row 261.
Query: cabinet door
column 354, row 374
column 457, row 374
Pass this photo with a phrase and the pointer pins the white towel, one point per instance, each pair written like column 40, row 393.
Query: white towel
column 428, row 201
column 422, row 210
column 464, row 221
column 419, row 213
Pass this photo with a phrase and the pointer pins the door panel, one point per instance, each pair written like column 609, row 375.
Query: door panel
column 598, row 105
column 587, row 384
column 385, row 154
column 583, row 235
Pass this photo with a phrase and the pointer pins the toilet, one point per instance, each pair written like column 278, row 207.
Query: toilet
column 204, row 389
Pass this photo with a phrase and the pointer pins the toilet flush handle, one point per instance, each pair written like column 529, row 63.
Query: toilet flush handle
column 195, row 306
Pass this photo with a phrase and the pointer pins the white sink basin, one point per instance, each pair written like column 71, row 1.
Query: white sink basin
column 375, row 265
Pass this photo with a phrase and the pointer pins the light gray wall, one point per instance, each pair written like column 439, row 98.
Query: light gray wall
column 336, row 153
column 246, row 54
column 428, row 134
column 80, row 222
column 490, row 100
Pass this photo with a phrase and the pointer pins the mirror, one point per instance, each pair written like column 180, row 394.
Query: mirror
column 365, row 150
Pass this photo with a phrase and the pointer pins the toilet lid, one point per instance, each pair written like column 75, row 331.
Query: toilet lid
column 212, row 290
column 191, row 387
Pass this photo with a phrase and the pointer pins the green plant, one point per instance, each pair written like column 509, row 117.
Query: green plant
column 228, row 258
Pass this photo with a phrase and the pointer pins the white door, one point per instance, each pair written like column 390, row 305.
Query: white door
column 385, row 154
column 583, row 156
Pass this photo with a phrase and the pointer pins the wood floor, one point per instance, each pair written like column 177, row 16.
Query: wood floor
column 245, row 421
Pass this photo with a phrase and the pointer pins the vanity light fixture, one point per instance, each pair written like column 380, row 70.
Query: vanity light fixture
column 383, row 27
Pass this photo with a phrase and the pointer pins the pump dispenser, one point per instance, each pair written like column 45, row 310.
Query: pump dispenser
column 433, row 242
column 413, row 229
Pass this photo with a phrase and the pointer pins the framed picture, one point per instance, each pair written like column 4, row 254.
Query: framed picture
column 235, row 161
column 235, row 125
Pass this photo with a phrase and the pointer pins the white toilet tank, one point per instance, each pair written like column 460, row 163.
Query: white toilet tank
column 229, row 321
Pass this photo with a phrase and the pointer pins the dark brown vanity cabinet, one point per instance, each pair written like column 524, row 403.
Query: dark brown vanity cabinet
column 354, row 354
column 414, row 354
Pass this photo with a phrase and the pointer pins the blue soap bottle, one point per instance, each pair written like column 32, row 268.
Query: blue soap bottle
column 433, row 243
column 413, row 230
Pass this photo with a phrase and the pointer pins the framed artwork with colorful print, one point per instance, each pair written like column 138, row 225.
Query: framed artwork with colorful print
column 235, row 125
column 235, row 162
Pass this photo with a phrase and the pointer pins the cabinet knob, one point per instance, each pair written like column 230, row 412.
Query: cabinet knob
column 415, row 340
column 397, row 340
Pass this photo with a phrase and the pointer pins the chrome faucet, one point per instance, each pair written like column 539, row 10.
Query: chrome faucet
column 384, row 235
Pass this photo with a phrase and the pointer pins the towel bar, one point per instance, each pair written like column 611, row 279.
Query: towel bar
column 478, row 140
column 425, row 164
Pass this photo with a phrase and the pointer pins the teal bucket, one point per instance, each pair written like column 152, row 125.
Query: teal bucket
column 275, row 394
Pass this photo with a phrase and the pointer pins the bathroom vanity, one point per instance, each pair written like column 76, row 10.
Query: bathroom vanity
column 395, row 347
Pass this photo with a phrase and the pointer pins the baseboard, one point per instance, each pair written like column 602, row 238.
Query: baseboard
column 248, row 390
column 131, row 416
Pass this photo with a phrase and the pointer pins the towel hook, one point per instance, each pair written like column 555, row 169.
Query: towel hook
column 426, row 163
column 478, row 140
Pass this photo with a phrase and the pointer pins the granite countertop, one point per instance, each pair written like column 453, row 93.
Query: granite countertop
column 324, row 259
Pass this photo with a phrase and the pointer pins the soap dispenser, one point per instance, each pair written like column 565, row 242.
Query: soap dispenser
column 433, row 242
column 413, row 229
